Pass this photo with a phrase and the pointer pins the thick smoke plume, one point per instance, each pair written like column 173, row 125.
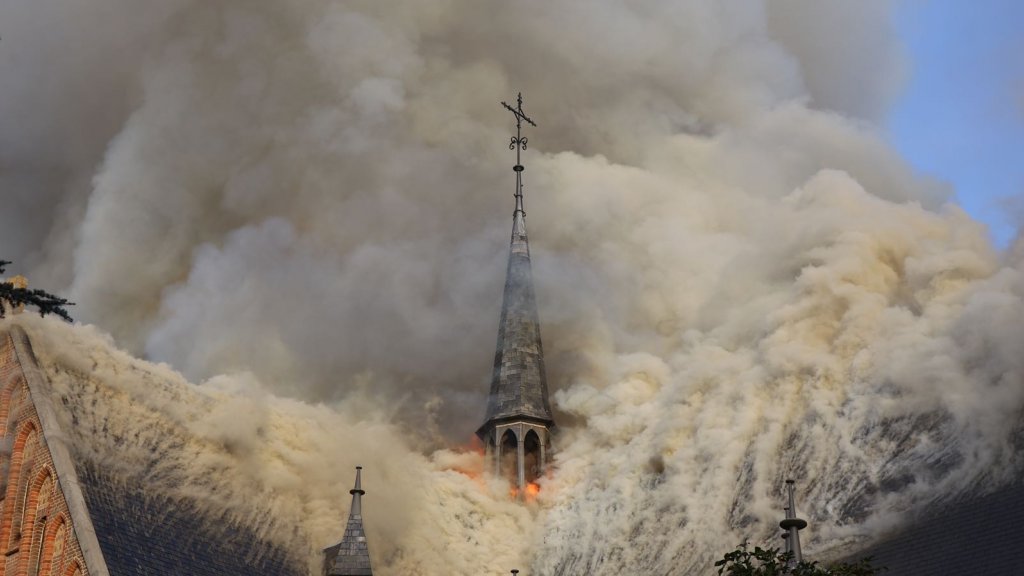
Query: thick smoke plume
column 739, row 279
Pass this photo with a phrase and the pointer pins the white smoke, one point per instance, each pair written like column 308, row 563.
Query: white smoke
column 739, row 279
column 280, row 467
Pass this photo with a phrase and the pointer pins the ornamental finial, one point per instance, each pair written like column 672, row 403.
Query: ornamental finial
column 518, row 142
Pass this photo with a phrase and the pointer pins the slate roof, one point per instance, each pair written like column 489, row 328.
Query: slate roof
column 980, row 535
column 142, row 534
column 519, row 386
column 140, row 530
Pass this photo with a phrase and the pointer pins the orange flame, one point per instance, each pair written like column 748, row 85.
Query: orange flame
column 530, row 492
column 470, row 469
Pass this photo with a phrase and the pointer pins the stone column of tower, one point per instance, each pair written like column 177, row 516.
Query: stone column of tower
column 351, row 556
column 518, row 424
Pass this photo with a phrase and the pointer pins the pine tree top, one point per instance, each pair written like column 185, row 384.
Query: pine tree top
column 15, row 296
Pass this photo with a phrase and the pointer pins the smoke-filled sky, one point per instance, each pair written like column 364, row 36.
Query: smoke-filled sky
column 740, row 278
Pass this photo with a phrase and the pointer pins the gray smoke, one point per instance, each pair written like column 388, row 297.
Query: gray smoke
column 738, row 278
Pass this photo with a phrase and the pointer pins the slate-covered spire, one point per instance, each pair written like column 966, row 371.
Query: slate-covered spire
column 793, row 525
column 351, row 556
column 519, row 386
column 518, row 419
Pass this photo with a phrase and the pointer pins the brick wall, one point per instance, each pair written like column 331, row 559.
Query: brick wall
column 36, row 534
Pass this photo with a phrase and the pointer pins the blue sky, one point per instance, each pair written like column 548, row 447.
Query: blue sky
column 961, row 116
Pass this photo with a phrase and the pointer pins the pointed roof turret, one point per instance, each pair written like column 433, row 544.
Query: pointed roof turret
column 519, row 387
column 351, row 556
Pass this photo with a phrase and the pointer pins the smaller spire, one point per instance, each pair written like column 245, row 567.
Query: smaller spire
column 793, row 525
column 351, row 556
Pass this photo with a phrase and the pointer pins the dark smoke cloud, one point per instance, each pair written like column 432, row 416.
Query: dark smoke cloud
column 372, row 135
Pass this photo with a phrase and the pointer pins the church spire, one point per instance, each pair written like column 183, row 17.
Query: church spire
column 518, row 418
column 351, row 556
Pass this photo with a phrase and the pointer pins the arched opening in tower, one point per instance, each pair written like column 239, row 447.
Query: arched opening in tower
column 509, row 454
column 531, row 457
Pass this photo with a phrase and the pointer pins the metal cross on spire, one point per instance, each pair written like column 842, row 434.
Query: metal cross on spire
column 519, row 141
column 518, row 144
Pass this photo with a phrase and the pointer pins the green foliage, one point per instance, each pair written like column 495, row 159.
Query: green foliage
column 45, row 302
column 772, row 562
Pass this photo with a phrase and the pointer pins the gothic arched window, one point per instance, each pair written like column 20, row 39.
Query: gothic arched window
column 22, row 460
column 509, row 461
column 53, row 548
column 35, row 519
column 5, row 402
column 9, row 397
column 532, row 456
column 34, row 555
